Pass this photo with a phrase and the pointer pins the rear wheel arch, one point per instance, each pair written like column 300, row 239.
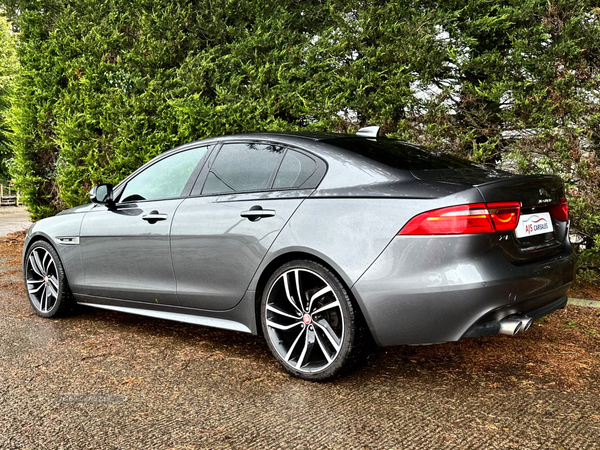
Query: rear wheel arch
column 279, row 261
column 310, row 321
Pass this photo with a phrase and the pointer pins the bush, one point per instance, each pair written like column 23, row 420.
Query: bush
column 8, row 70
column 107, row 85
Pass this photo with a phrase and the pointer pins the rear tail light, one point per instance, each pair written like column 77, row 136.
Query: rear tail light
column 505, row 216
column 561, row 211
column 465, row 219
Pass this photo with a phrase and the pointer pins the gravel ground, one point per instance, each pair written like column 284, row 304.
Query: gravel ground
column 106, row 380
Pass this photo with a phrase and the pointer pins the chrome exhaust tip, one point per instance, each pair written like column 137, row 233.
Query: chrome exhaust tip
column 510, row 326
column 526, row 322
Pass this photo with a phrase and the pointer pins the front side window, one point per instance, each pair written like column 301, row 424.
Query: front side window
column 165, row 179
column 242, row 167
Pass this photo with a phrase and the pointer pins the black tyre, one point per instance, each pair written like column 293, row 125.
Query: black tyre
column 310, row 323
column 47, row 287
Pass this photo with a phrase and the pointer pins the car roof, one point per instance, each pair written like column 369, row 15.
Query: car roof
column 308, row 140
column 314, row 136
column 311, row 135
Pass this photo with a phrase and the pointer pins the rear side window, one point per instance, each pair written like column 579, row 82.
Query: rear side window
column 400, row 155
column 242, row 167
column 295, row 170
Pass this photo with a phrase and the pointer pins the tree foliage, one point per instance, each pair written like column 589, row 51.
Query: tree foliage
column 8, row 70
column 107, row 85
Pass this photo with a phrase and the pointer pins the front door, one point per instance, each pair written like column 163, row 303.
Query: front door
column 126, row 256
column 125, row 249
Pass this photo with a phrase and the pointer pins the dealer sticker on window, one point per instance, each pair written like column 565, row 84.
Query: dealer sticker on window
column 532, row 224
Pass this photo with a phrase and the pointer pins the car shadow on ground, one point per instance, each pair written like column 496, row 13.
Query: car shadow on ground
column 561, row 349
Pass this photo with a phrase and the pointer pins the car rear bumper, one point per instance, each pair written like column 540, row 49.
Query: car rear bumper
column 436, row 289
column 488, row 326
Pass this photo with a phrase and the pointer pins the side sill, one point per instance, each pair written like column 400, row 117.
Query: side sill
column 177, row 317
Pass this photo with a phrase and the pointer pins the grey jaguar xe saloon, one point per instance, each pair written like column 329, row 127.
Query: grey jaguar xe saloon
column 324, row 243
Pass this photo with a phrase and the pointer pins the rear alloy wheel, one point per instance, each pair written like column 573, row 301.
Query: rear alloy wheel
column 46, row 283
column 309, row 321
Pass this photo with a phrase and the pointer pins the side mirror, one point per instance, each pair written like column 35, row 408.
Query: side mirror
column 102, row 194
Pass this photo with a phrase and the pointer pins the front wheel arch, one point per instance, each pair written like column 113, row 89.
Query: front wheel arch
column 39, row 237
column 64, row 303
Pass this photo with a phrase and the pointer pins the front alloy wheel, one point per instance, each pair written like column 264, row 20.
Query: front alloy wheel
column 45, row 280
column 309, row 321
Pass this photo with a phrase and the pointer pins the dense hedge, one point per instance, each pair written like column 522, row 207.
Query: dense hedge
column 8, row 70
column 107, row 85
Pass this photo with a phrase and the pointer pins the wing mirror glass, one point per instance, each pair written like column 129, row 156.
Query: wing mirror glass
column 102, row 194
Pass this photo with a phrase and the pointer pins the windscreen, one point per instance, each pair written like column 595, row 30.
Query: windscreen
column 400, row 155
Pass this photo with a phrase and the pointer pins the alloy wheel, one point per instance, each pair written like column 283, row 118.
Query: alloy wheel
column 42, row 279
column 304, row 320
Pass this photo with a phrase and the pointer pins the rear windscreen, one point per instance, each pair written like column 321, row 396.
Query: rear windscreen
column 400, row 155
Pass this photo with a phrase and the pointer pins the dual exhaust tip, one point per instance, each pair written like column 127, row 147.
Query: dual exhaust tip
column 514, row 324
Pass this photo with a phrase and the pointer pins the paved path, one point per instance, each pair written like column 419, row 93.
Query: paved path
column 13, row 219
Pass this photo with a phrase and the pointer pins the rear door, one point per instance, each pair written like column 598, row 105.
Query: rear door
column 221, row 234
column 125, row 249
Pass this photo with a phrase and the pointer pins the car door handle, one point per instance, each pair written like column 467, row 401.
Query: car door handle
column 154, row 217
column 256, row 213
